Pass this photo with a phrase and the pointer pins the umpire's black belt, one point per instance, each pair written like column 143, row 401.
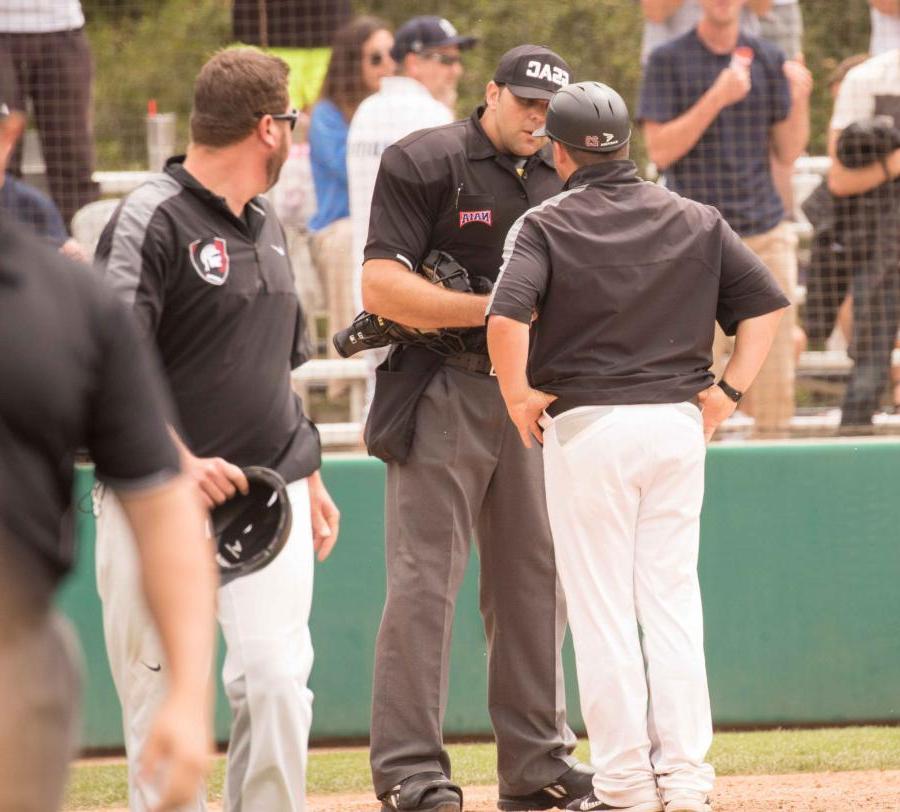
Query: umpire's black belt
column 471, row 362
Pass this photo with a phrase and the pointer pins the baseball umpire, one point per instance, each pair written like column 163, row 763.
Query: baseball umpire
column 455, row 464
column 75, row 374
column 627, row 280
column 201, row 258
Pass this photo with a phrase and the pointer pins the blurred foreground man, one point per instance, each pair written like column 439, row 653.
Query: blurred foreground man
column 76, row 375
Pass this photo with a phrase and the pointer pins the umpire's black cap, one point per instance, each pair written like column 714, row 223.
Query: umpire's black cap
column 532, row 71
column 425, row 33
column 589, row 116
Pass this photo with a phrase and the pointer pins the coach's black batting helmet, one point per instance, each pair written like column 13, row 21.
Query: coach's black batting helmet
column 250, row 529
column 589, row 116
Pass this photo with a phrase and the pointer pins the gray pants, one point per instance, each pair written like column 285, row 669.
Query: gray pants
column 468, row 471
column 40, row 685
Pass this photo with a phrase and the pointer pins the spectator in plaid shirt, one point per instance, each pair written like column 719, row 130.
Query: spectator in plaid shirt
column 714, row 102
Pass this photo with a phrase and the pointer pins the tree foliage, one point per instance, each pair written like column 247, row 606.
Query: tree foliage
column 148, row 51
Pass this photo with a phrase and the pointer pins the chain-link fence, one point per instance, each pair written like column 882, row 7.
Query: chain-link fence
column 99, row 94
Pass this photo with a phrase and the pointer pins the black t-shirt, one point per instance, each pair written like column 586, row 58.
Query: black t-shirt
column 216, row 294
column 448, row 188
column 75, row 374
column 628, row 279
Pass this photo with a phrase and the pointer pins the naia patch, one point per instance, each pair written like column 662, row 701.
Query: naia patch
column 210, row 259
column 485, row 217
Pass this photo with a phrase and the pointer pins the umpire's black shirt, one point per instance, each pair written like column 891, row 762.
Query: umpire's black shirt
column 74, row 372
column 448, row 188
column 628, row 279
column 216, row 292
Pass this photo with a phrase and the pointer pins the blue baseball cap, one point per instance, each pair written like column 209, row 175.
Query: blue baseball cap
column 425, row 33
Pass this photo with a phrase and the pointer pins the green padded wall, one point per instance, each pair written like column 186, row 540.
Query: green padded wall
column 799, row 564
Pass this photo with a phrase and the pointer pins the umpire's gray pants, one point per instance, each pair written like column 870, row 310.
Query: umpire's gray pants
column 468, row 471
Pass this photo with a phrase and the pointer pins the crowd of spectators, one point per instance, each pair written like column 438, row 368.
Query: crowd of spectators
column 723, row 123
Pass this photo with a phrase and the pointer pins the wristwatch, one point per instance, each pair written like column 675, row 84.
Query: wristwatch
column 729, row 390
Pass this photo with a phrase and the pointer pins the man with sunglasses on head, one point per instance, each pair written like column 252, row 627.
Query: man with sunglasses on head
column 201, row 259
column 458, row 188
column 427, row 52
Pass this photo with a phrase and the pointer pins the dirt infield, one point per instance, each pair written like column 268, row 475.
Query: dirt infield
column 798, row 792
column 803, row 792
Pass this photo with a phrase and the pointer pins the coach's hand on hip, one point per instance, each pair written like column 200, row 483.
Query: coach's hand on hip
column 508, row 342
column 525, row 410
column 716, row 406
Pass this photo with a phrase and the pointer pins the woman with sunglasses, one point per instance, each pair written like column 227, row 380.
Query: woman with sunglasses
column 360, row 57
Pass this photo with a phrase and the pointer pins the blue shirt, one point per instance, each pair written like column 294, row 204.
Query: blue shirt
column 328, row 156
column 33, row 208
column 729, row 166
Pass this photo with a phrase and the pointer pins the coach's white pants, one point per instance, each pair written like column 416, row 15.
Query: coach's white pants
column 264, row 618
column 624, row 489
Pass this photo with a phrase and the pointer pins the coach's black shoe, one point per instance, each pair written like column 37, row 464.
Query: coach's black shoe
column 573, row 783
column 591, row 803
column 423, row 792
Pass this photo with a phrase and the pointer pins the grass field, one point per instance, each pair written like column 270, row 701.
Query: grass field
column 96, row 785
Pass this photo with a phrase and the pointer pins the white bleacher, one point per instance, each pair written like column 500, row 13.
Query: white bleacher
column 831, row 362
column 325, row 370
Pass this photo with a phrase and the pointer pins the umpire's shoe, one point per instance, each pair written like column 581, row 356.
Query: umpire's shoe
column 591, row 803
column 423, row 792
column 573, row 783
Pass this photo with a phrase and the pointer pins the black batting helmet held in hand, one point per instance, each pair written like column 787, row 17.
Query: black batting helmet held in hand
column 589, row 116
column 251, row 529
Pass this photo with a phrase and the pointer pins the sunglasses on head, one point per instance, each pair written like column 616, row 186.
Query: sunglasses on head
column 444, row 59
column 292, row 116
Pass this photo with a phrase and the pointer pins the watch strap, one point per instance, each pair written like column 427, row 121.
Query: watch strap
column 729, row 390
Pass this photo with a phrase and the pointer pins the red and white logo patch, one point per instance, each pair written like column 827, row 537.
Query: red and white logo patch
column 485, row 217
column 210, row 259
